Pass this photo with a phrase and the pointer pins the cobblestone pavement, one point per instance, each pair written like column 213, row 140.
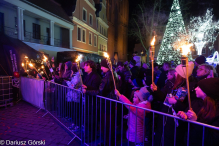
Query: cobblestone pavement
column 21, row 123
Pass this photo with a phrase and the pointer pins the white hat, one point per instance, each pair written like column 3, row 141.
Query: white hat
column 142, row 94
column 182, row 70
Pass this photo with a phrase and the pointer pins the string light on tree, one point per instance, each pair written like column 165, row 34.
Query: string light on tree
column 174, row 28
column 203, row 31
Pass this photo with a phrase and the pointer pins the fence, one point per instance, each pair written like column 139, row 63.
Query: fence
column 6, row 91
column 99, row 120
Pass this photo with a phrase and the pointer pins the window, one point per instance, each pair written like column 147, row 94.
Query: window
column 95, row 40
column 104, row 32
column 90, row 38
column 84, row 14
column 97, row 23
column 36, row 31
column 100, row 48
column 24, row 28
column 84, row 35
column 203, row 51
column 79, row 34
column 91, row 19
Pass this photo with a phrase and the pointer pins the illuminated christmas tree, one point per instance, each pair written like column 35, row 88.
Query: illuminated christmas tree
column 174, row 29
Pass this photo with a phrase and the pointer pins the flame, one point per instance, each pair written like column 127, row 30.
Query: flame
column 106, row 55
column 25, row 57
column 153, row 41
column 30, row 64
column 186, row 49
column 42, row 66
column 42, row 72
column 22, row 64
column 79, row 58
column 45, row 58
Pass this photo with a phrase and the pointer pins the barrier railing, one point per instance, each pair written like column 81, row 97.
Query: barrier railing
column 6, row 94
column 97, row 120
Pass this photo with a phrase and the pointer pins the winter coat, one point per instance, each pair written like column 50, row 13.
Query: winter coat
column 170, row 122
column 162, row 79
column 160, row 95
column 135, row 71
column 131, row 133
column 92, row 81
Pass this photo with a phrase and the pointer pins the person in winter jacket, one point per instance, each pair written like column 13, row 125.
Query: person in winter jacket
column 135, row 134
column 205, row 109
column 68, row 72
column 134, row 69
column 91, row 80
column 163, row 76
column 205, row 71
column 174, row 102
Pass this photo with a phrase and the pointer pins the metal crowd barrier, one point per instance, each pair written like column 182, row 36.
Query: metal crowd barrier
column 97, row 120
column 6, row 94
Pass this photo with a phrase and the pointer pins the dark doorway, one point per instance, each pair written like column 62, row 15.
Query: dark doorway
column 1, row 22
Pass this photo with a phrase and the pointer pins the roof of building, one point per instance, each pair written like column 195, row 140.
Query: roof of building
column 50, row 6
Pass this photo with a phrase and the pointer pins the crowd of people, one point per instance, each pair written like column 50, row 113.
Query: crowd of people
column 168, row 93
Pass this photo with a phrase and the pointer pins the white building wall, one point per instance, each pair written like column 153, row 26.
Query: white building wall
column 9, row 15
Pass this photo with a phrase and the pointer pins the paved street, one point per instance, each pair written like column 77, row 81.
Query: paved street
column 21, row 123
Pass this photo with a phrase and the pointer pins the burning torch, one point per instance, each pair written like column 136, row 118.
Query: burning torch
column 78, row 64
column 152, row 51
column 185, row 62
column 109, row 63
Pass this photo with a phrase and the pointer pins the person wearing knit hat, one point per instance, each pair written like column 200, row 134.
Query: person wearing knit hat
column 205, row 109
column 200, row 60
column 140, row 100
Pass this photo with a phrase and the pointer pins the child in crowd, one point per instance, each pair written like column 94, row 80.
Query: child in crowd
column 140, row 99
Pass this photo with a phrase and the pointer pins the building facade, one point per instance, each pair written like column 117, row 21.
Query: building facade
column 42, row 24
column 90, row 28
column 118, row 18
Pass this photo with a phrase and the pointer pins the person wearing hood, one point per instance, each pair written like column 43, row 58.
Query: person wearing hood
column 140, row 99
column 205, row 109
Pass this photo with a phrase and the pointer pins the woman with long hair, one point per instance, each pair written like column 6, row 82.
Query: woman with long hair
column 205, row 109
column 174, row 100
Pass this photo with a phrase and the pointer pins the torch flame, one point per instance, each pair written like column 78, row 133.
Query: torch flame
column 22, row 64
column 79, row 58
column 153, row 41
column 45, row 58
column 186, row 49
column 25, row 57
column 106, row 55
column 42, row 66
column 30, row 64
